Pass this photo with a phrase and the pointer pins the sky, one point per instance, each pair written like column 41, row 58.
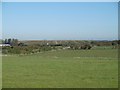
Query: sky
column 60, row 0
column 60, row 20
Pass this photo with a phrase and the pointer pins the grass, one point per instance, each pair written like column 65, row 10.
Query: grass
column 62, row 69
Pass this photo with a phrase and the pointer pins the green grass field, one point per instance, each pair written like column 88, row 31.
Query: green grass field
column 62, row 69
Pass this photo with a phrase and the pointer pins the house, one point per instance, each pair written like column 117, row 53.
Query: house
column 4, row 45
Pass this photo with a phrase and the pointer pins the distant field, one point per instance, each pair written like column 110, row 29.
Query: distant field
column 62, row 69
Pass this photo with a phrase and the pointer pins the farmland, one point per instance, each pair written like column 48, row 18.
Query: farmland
column 62, row 69
column 60, row 44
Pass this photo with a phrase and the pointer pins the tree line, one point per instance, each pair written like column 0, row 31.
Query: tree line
column 29, row 47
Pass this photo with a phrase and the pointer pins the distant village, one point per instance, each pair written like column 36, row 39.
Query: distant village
column 14, row 46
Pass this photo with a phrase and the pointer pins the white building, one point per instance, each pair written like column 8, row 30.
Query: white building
column 3, row 45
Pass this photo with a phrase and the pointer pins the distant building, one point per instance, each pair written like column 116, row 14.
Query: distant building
column 3, row 45
column 56, row 42
column 47, row 43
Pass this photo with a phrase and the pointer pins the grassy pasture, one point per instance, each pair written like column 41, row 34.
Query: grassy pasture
column 62, row 69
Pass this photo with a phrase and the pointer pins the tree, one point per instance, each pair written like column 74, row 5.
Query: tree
column 6, row 41
column 21, row 44
column 9, row 41
column 14, row 42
